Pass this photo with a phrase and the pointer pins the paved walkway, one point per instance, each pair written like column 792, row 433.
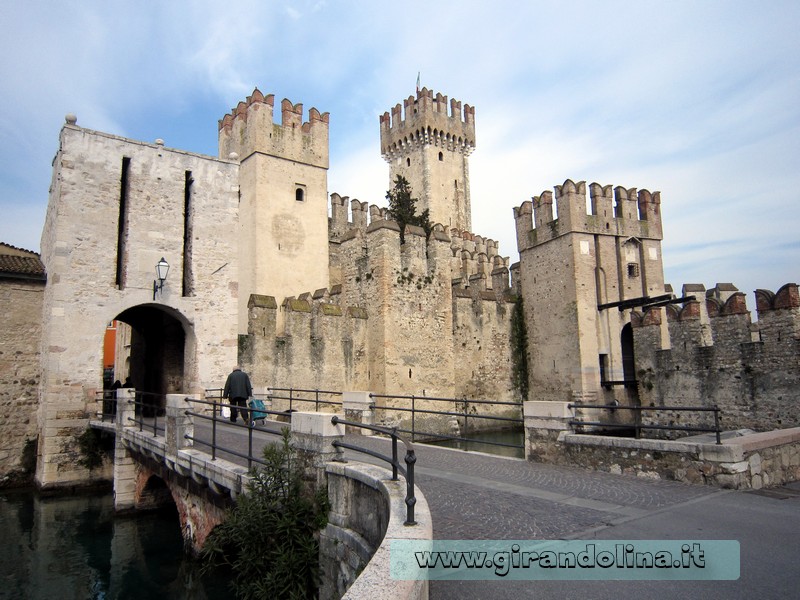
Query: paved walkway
column 477, row 496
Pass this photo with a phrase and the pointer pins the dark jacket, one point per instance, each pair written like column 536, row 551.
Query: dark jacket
column 237, row 385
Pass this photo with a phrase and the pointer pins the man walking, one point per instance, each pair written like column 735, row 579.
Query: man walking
column 238, row 389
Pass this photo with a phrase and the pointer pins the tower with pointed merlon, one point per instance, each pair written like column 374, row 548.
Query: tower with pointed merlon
column 283, row 189
column 580, row 270
column 428, row 142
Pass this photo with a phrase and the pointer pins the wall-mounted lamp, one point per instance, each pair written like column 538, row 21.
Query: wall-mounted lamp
column 162, row 268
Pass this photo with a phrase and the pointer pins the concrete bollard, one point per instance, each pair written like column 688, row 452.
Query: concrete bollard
column 124, row 466
column 357, row 408
column 179, row 424
column 313, row 435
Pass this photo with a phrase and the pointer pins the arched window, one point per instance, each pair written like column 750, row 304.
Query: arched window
column 300, row 193
column 441, row 156
column 408, row 162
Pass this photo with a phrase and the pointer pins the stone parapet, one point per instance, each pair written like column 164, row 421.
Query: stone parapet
column 355, row 545
column 746, row 461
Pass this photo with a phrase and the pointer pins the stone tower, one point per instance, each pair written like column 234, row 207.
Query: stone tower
column 283, row 187
column 429, row 146
column 574, row 264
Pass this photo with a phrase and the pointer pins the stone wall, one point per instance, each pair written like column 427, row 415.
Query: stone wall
column 751, row 461
column 116, row 208
column 322, row 344
column 743, row 460
column 367, row 512
column 482, row 344
column 20, row 323
column 715, row 355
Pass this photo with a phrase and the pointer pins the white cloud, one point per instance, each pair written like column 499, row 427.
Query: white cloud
column 683, row 97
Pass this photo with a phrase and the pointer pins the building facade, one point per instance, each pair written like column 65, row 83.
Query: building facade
column 307, row 290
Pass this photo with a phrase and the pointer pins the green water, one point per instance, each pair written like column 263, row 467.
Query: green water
column 478, row 442
column 75, row 547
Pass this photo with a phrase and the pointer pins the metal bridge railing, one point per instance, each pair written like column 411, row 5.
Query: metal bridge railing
column 462, row 406
column 107, row 399
column 148, row 408
column 216, row 417
column 410, row 459
column 638, row 426
column 297, row 395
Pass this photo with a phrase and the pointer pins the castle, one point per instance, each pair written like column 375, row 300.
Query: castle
column 262, row 274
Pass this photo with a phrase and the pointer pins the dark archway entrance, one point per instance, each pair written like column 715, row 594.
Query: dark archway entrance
column 628, row 358
column 629, row 365
column 155, row 354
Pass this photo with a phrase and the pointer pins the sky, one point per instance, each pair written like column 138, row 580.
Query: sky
column 699, row 100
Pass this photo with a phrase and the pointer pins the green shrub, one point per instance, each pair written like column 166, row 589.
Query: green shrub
column 268, row 543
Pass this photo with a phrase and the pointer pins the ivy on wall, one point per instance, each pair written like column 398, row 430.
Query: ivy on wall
column 519, row 349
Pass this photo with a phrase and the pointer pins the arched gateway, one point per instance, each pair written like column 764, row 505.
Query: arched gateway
column 117, row 209
column 154, row 352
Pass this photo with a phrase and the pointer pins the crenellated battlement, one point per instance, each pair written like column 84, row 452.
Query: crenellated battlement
column 714, row 355
column 469, row 256
column 249, row 128
column 626, row 212
column 471, row 253
column 425, row 120
column 726, row 300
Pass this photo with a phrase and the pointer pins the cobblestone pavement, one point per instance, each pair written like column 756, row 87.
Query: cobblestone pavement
column 478, row 496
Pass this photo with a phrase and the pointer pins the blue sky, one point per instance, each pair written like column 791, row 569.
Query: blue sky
column 699, row 100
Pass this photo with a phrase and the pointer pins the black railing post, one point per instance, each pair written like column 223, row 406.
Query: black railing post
column 411, row 500
column 466, row 424
column 716, row 423
column 413, row 416
column 316, row 400
column 214, row 431
column 394, row 454
column 250, row 445
column 290, row 399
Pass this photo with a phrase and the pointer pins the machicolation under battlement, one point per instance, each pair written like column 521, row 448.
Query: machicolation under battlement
column 425, row 120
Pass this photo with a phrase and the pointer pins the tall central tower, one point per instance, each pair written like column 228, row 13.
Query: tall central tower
column 429, row 146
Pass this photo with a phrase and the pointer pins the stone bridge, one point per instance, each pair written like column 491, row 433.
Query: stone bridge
column 150, row 466
column 155, row 462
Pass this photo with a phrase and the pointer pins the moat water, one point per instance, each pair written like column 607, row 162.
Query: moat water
column 76, row 547
column 482, row 442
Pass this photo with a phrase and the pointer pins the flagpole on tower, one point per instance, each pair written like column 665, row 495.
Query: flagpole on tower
column 417, row 82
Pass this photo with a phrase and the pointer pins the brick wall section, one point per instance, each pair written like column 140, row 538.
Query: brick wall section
column 754, row 383
column 481, row 325
column 21, row 324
